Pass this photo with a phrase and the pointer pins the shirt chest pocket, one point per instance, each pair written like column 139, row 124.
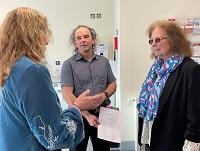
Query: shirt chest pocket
column 101, row 83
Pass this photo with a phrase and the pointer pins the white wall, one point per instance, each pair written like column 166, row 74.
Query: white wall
column 65, row 15
column 135, row 17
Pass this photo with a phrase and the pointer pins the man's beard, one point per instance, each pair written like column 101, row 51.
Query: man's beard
column 86, row 49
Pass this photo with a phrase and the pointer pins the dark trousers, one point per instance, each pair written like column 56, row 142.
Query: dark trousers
column 147, row 148
column 91, row 132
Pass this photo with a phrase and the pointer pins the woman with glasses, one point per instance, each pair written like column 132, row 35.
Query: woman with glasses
column 169, row 101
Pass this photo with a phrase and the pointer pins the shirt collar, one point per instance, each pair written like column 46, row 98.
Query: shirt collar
column 78, row 56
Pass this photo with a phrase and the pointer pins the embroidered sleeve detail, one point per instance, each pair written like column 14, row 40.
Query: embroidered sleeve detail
column 71, row 126
column 45, row 131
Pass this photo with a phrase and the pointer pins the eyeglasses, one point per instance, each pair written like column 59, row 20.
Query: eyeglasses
column 157, row 40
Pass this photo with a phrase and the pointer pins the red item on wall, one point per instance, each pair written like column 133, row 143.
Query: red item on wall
column 115, row 43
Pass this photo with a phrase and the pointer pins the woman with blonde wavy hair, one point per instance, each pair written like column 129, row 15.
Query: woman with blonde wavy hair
column 30, row 113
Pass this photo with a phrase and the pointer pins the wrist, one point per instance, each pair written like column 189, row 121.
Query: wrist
column 106, row 94
column 76, row 107
column 86, row 115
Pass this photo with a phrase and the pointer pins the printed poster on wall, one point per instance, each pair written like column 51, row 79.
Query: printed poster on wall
column 191, row 26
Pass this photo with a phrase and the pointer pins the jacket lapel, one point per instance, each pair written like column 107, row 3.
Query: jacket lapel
column 168, row 88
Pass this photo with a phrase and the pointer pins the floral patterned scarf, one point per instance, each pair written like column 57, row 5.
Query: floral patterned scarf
column 153, row 85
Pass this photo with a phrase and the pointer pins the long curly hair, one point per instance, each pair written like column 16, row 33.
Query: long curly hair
column 93, row 33
column 21, row 33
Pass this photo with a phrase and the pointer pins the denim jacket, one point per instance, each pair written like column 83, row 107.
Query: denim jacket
column 30, row 113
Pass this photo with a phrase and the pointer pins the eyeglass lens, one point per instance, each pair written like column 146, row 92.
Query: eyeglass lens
column 157, row 40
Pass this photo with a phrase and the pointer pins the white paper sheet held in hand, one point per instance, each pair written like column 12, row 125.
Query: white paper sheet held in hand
column 109, row 128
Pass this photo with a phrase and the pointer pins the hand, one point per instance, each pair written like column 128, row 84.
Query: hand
column 93, row 120
column 87, row 102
